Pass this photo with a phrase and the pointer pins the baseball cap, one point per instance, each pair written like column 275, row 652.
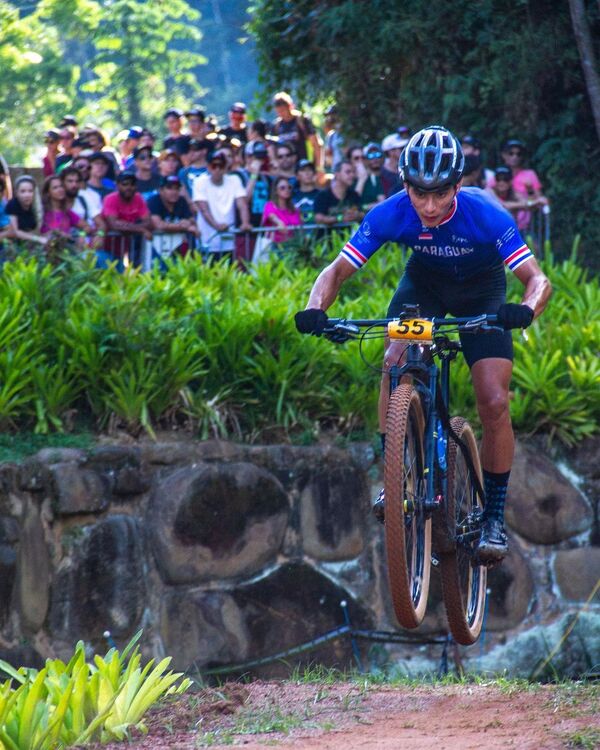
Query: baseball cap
column 403, row 130
column 173, row 112
column 259, row 149
column 393, row 140
column 99, row 156
column 370, row 147
column 238, row 107
column 140, row 150
column 135, row 132
column 126, row 176
column 216, row 156
column 513, row 143
column 305, row 164
column 52, row 135
column 503, row 172
column 196, row 112
column 68, row 120
column 170, row 179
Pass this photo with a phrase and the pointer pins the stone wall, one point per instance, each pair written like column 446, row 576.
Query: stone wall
column 224, row 553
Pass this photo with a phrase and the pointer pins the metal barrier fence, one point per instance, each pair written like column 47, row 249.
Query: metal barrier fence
column 257, row 244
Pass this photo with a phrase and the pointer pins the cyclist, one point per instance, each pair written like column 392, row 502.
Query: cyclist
column 460, row 242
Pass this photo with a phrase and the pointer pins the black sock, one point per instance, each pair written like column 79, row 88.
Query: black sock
column 495, row 486
column 382, row 438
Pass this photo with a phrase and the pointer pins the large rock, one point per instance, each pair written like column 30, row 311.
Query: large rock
column 334, row 507
column 577, row 572
column 543, row 506
column 291, row 606
column 79, row 490
column 33, row 571
column 102, row 584
column 216, row 521
column 511, row 589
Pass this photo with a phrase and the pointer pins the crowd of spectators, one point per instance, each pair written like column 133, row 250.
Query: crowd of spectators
column 135, row 200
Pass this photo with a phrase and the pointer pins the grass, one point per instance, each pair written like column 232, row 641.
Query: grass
column 589, row 739
column 15, row 447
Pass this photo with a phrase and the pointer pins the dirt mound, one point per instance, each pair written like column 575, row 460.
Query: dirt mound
column 362, row 715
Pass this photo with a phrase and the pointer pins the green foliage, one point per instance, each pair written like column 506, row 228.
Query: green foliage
column 216, row 351
column 77, row 703
column 496, row 68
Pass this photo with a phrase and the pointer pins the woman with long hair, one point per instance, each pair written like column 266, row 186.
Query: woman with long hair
column 25, row 211
column 280, row 211
column 57, row 217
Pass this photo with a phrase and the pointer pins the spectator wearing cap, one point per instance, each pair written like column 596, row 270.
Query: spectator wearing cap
column 126, row 214
column 69, row 121
column 392, row 147
column 98, row 179
column 196, row 121
column 370, row 186
column 170, row 214
column 404, row 132
column 339, row 202
column 306, row 191
column 291, row 126
column 52, row 143
column 67, row 138
column 197, row 166
column 334, row 140
column 471, row 146
column 237, row 123
column 216, row 196
column 97, row 141
column 127, row 141
column 176, row 139
column 147, row 181
column 519, row 206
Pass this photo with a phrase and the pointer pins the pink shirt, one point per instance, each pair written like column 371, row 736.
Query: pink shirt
column 132, row 211
column 289, row 218
column 59, row 221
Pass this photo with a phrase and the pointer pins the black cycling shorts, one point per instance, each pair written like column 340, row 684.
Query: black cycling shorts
column 438, row 296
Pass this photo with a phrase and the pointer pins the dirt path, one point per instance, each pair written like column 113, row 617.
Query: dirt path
column 345, row 716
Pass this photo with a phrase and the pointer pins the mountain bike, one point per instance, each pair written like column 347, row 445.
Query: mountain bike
column 432, row 473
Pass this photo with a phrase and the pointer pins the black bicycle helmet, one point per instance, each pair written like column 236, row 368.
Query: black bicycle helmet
column 432, row 159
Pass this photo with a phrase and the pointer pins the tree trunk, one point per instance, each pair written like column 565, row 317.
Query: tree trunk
column 585, row 46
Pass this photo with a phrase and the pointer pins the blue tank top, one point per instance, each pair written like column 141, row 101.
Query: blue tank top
column 477, row 234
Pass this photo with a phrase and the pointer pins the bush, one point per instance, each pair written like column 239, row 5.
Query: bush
column 216, row 351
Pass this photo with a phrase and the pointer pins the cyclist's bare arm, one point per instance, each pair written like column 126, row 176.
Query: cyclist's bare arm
column 537, row 286
column 329, row 282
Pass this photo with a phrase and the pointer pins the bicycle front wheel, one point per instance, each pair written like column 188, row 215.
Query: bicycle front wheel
column 464, row 582
column 407, row 529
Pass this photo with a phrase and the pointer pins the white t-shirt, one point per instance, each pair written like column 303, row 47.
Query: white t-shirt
column 221, row 201
column 88, row 204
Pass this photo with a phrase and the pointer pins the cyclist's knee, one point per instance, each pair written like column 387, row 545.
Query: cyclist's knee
column 493, row 405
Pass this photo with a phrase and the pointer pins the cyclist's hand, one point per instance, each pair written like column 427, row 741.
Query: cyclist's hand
column 311, row 321
column 514, row 316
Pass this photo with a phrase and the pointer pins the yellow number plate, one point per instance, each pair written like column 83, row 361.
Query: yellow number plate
column 414, row 329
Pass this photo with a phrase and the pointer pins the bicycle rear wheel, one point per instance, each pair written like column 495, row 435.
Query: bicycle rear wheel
column 407, row 530
column 464, row 582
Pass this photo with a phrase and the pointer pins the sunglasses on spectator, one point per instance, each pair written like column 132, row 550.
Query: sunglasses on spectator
column 284, row 186
column 503, row 178
column 217, row 165
column 143, row 157
column 374, row 155
column 131, row 183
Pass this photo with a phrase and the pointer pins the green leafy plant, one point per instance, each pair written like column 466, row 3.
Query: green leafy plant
column 70, row 704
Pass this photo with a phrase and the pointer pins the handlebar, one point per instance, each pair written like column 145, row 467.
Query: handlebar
column 339, row 330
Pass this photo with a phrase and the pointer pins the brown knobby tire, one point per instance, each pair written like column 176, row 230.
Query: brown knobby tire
column 463, row 583
column 407, row 531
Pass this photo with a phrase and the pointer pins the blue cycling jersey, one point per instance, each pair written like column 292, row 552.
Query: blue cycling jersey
column 477, row 234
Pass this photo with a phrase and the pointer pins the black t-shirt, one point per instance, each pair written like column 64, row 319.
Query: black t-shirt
column 296, row 131
column 179, row 143
column 327, row 203
column 147, row 187
column 305, row 202
column 181, row 209
column 25, row 217
column 260, row 197
column 241, row 135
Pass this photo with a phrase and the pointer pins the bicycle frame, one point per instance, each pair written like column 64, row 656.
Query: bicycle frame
column 427, row 376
